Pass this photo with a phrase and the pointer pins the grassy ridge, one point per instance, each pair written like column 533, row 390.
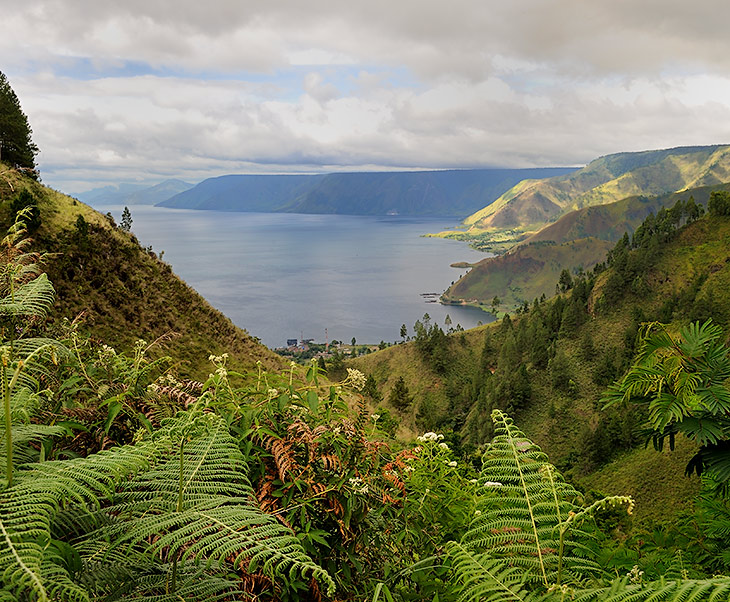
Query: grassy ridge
column 524, row 274
column 123, row 291
column 606, row 180
column 531, row 268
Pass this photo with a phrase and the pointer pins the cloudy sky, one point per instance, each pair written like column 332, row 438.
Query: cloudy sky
column 143, row 90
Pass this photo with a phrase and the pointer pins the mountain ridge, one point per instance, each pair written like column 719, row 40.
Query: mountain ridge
column 532, row 205
column 448, row 193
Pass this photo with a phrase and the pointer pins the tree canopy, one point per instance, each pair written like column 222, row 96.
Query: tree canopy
column 16, row 146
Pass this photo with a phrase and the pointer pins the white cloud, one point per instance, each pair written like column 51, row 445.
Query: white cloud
column 146, row 89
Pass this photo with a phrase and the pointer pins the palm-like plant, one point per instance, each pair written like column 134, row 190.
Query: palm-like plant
column 681, row 379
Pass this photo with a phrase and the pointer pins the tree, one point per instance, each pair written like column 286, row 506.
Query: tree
column 719, row 203
column 495, row 304
column 399, row 396
column 403, row 332
column 353, row 341
column 126, row 223
column 16, row 146
column 681, row 378
column 565, row 283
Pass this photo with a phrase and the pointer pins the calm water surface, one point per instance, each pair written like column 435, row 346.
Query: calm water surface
column 284, row 276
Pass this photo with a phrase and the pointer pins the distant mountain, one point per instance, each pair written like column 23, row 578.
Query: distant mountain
column 531, row 205
column 134, row 194
column 426, row 193
column 579, row 239
column 108, row 195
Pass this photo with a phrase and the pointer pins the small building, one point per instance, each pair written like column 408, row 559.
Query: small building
column 291, row 342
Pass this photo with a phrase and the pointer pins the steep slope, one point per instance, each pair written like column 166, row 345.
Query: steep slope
column 550, row 365
column 123, row 291
column 579, row 239
column 607, row 179
column 434, row 193
column 525, row 273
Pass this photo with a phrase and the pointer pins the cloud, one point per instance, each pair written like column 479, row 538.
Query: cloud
column 147, row 89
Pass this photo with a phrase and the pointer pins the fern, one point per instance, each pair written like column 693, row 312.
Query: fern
column 527, row 520
column 485, row 579
column 689, row 590
column 200, row 506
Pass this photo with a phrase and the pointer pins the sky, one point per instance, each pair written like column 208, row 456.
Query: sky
column 145, row 90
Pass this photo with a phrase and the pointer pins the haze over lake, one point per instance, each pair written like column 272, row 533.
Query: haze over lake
column 283, row 276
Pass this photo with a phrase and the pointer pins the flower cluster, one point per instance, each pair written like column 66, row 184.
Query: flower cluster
column 430, row 436
column 635, row 574
column 355, row 379
column 357, row 484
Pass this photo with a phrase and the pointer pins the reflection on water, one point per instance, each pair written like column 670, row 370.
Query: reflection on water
column 284, row 276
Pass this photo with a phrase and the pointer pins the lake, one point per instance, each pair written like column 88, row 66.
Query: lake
column 291, row 276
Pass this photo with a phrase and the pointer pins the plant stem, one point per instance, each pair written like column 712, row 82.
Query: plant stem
column 8, row 424
column 179, row 509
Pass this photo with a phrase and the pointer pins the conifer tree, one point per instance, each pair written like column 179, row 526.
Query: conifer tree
column 16, row 146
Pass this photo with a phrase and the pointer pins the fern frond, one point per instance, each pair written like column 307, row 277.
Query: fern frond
column 200, row 506
column 485, row 579
column 689, row 590
column 527, row 517
column 32, row 299
column 40, row 490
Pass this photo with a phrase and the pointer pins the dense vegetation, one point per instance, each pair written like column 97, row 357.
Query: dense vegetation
column 16, row 145
column 126, row 479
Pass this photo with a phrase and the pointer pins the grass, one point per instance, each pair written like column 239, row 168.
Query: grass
column 123, row 292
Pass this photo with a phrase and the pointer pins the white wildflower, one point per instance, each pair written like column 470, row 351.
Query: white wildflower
column 492, row 484
column 273, row 393
column 443, row 446
column 375, row 417
column 451, row 464
column 477, row 512
column 356, row 379
column 635, row 574
column 473, row 481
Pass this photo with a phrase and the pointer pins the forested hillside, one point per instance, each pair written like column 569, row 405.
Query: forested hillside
column 550, row 362
column 577, row 241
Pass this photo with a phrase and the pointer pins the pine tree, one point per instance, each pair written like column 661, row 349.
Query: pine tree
column 399, row 396
column 16, row 146
column 126, row 223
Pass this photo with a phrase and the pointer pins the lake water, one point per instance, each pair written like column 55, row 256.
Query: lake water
column 285, row 276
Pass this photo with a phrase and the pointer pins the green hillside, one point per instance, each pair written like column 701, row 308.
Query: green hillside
column 527, row 272
column 578, row 240
column 531, row 205
column 549, row 364
column 121, row 291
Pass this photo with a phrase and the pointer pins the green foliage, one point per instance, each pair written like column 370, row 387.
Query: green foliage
column 719, row 203
column 399, row 396
column 681, row 379
column 16, row 146
column 126, row 223
column 25, row 205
